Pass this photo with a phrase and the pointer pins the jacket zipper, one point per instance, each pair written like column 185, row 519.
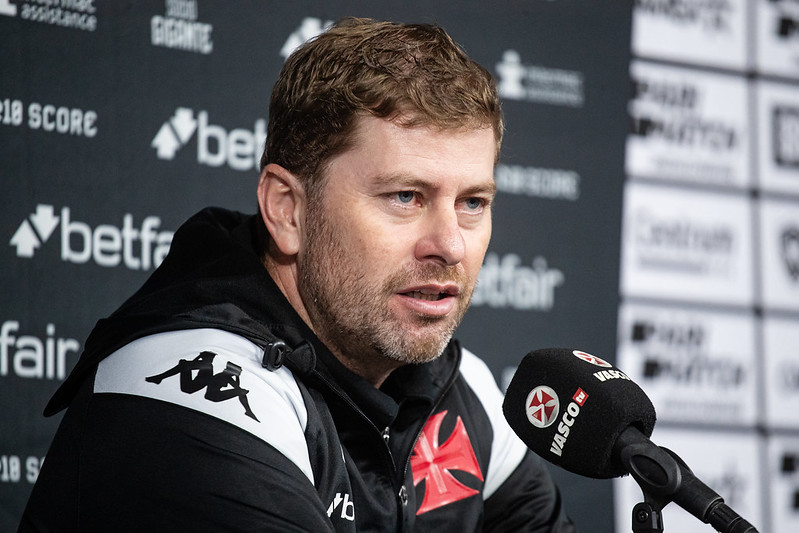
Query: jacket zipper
column 444, row 391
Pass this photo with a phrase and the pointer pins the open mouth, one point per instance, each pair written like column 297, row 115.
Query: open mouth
column 429, row 296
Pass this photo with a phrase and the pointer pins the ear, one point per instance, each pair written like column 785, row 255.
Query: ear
column 281, row 198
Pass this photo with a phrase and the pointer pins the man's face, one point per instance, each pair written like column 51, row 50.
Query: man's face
column 395, row 240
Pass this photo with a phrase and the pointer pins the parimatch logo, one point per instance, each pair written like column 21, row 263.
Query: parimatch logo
column 239, row 148
column 136, row 247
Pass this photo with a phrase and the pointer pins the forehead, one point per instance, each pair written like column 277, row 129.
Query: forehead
column 382, row 149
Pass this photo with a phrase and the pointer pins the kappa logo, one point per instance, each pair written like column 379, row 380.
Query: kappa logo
column 239, row 148
column 308, row 29
column 198, row 374
column 433, row 464
column 594, row 360
column 790, row 251
column 542, row 406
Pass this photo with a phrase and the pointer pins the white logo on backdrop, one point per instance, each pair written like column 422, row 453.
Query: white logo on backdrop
column 506, row 283
column 240, row 148
column 7, row 8
column 137, row 248
column 308, row 29
column 49, row 118
column 179, row 28
column 77, row 14
column 551, row 183
column 174, row 133
column 34, row 357
column 534, row 83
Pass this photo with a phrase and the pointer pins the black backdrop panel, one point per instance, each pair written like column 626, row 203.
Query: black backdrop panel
column 114, row 129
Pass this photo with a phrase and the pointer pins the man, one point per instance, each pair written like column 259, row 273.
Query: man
column 294, row 371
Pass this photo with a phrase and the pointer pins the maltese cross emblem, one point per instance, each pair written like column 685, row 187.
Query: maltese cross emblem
column 432, row 464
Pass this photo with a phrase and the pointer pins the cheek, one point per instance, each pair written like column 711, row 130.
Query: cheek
column 476, row 246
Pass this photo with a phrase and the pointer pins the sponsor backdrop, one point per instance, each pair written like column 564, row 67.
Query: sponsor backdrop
column 709, row 315
column 649, row 186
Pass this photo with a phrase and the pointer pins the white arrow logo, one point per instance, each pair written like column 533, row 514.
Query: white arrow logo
column 310, row 28
column 174, row 133
column 34, row 231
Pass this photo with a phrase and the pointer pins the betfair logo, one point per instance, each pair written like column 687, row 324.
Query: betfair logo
column 137, row 248
column 239, row 148
column 34, row 231
column 174, row 133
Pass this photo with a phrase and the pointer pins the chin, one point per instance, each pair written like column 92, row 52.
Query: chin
column 422, row 351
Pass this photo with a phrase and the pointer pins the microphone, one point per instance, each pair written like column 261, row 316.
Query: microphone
column 583, row 414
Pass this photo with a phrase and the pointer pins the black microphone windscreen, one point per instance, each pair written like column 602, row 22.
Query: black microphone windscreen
column 570, row 407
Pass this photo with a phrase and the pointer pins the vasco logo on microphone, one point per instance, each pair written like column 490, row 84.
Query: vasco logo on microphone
column 594, row 360
column 542, row 406
column 567, row 421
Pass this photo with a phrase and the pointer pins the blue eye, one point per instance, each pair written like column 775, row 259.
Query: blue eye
column 406, row 197
column 474, row 203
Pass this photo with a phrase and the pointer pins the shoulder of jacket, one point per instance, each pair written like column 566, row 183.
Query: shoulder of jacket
column 217, row 373
column 507, row 450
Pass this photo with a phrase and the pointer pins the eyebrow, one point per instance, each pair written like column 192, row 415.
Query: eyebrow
column 409, row 180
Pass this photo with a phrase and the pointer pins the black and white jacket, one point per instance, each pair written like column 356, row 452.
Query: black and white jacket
column 206, row 404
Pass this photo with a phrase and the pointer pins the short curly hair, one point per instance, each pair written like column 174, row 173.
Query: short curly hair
column 414, row 74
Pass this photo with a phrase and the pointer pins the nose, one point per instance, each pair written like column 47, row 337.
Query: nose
column 441, row 239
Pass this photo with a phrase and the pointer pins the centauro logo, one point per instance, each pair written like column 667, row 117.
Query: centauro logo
column 138, row 248
column 239, row 148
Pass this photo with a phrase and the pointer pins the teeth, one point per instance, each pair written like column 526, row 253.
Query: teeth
column 424, row 296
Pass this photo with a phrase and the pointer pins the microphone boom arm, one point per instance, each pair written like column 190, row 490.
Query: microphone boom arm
column 664, row 477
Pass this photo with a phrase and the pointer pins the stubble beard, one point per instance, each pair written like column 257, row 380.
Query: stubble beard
column 351, row 315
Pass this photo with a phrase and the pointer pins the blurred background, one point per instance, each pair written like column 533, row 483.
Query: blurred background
column 648, row 206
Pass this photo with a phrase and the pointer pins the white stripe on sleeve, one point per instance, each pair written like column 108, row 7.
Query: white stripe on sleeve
column 507, row 450
column 217, row 373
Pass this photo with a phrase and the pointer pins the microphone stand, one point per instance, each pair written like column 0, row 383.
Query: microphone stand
column 663, row 478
